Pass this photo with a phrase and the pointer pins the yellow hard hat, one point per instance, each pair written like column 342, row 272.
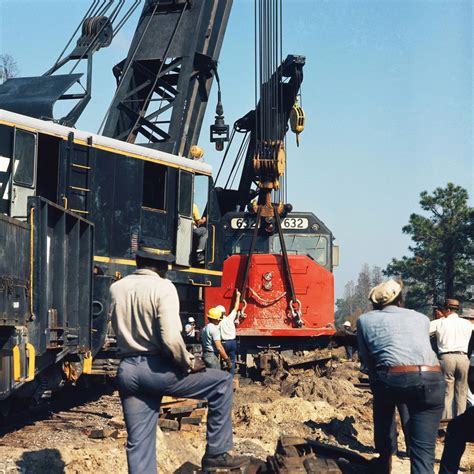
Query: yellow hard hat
column 214, row 313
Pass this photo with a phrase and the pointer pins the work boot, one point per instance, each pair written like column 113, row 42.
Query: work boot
column 222, row 461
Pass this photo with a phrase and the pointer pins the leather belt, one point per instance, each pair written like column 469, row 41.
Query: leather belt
column 410, row 368
column 454, row 352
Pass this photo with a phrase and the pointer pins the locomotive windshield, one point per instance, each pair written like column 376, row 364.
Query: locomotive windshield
column 315, row 246
column 241, row 243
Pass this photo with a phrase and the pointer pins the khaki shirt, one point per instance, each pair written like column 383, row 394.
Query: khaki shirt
column 145, row 317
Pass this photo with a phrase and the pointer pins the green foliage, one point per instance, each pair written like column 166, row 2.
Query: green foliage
column 441, row 264
column 355, row 299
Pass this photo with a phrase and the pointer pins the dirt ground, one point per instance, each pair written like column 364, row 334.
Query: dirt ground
column 88, row 436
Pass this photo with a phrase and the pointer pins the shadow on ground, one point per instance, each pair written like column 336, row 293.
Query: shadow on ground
column 344, row 433
column 43, row 461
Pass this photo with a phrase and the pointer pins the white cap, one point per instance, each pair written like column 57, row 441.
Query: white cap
column 347, row 323
column 191, row 320
column 221, row 309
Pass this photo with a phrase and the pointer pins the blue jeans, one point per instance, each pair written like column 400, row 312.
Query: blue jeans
column 211, row 360
column 460, row 431
column 423, row 395
column 143, row 380
column 230, row 347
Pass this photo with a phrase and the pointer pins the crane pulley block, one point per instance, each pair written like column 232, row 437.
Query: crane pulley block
column 297, row 120
column 269, row 162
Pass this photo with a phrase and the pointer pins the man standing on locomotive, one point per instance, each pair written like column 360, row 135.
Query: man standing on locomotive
column 155, row 362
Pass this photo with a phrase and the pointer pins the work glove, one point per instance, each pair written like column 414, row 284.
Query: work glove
column 198, row 365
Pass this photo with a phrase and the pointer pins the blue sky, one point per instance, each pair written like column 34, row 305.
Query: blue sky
column 387, row 94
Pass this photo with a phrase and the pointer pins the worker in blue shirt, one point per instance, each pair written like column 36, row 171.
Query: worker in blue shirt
column 403, row 369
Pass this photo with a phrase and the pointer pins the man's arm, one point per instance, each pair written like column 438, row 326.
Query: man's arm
column 364, row 354
column 433, row 326
column 236, row 305
column 221, row 350
column 171, row 327
column 198, row 220
column 216, row 339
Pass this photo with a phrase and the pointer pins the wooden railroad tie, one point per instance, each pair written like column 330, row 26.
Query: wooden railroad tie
column 182, row 414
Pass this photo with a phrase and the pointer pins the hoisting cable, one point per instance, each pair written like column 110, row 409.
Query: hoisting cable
column 243, row 288
column 295, row 304
column 115, row 12
column 88, row 12
column 225, row 155
column 245, row 144
column 126, row 17
column 237, row 160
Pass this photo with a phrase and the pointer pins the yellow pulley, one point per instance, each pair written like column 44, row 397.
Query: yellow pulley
column 297, row 121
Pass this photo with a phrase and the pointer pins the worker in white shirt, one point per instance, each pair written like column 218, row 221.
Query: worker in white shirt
column 227, row 328
column 190, row 330
column 453, row 335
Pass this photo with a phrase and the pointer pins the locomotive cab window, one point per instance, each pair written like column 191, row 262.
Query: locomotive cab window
column 154, row 186
column 24, row 158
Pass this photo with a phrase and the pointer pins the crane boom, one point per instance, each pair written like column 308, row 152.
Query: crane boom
column 163, row 84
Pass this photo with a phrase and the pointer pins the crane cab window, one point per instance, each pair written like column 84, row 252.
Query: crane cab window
column 4, row 183
column 314, row 246
column 24, row 158
column 185, row 205
column 154, row 186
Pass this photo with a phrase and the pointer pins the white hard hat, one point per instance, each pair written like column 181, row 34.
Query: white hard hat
column 347, row 323
column 191, row 320
column 221, row 309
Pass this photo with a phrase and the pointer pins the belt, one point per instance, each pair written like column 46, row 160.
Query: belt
column 454, row 352
column 227, row 340
column 410, row 368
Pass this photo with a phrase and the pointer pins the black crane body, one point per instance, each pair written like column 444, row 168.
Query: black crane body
column 74, row 205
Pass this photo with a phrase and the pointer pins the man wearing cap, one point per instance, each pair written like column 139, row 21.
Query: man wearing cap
column 190, row 331
column 227, row 329
column 155, row 362
column 211, row 341
column 403, row 369
column 349, row 348
column 452, row 336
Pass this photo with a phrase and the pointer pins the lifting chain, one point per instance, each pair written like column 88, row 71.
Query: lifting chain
column 243, row 288
column 295, row 304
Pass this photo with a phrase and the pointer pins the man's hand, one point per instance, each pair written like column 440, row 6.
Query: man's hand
column 227, row 364
column 198, row 365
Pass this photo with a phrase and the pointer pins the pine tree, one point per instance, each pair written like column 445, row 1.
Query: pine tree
column 441, row 264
